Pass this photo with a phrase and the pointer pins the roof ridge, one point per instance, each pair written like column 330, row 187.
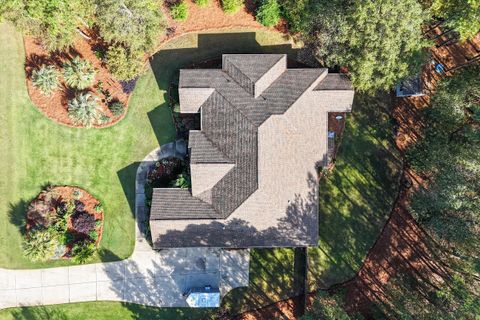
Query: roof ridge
column 236, row 108
column 309, row 85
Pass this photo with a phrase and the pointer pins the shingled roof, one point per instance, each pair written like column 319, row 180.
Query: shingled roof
column 235, row 103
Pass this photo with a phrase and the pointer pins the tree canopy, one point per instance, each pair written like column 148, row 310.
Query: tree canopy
column 462, row 15
column 54, row 21
column 379, row 41
column 135, row 24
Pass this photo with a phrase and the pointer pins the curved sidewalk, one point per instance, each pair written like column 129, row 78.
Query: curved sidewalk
column 148, row 277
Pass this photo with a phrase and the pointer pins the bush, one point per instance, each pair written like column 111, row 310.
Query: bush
column 131, row 23
column 40, row 245
column 202, row 3
column 124, row 63
column 45, row 79
column 269, row 13
column 82, row 251
column 116, row 108
column 231, row 6
column 179, row 11
column 83, row 222
column 78, row 73
column 84, row 110
column 182, row 181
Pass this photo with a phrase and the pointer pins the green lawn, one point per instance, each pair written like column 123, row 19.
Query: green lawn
column 356, row 198
column 102, row 311
column 35, row 151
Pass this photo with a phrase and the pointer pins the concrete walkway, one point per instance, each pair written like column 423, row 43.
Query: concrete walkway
column 154, row 278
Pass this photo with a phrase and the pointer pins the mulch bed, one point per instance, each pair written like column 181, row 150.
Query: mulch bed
column 55, row 105
column 47, row 204
column 213, row 17
column 199, row 19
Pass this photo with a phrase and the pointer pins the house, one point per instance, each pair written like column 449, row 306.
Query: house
column 254, row 161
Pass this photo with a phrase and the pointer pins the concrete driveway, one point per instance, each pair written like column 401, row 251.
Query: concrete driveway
column 148, row 277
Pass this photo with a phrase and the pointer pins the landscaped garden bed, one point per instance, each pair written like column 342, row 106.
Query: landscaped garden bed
column 63, row 222
column 170, row 172
column 56, row 80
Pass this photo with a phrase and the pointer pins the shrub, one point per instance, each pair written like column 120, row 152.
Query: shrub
column 83, row 222
column 84, row 110
column 124, row 63
column 202, row 3
column 82, row 251
column 78, row 73
column 182, row 181
column 116, row 108
column 45, row 79
column 179, row 11
column 132, row 23
column 40, row 245
column 54, row 22
column 231, row 6
column 269, row 13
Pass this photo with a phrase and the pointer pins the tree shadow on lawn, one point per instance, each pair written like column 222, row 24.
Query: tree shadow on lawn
column 17, row 213
column 357, row 197
column 39, row 313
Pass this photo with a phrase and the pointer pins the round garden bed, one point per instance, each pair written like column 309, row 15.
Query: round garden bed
column 63, row 222
column 54, row 98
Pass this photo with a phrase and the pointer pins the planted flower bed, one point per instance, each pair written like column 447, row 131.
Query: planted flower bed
column 168, row 172
column 63, row 222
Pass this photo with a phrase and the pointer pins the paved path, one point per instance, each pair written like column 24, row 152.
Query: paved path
column 155, row 278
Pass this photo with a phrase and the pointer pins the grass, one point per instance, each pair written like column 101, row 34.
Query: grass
column 102, row 311
column 356, row 198
column 35, row 152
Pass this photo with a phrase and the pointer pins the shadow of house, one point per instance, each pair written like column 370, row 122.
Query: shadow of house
column 210, row 46
column 365, row 184
column 127, row 177
column 299, row 224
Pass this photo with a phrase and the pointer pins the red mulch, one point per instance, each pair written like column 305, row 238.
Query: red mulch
column 402, row 244
column 199, row 19
column 55, row 106
column 65, row 194
column 213, row 17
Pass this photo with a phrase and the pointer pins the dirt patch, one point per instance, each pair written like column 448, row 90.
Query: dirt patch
column 55, row 106
column 52, row 204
